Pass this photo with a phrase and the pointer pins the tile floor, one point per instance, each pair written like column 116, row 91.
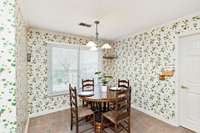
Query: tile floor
column 59, row 122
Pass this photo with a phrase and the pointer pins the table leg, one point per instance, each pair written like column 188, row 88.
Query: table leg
column 99, row 108
column 98, row 127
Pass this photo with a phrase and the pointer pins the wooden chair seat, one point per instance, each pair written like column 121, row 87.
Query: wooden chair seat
column 111, row 115
column 78, row 113
column 84, row 111
column 115, row 116
column 120, row 112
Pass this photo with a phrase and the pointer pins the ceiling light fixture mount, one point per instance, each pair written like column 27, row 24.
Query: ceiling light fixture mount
column 85, row 25
column 95, row 45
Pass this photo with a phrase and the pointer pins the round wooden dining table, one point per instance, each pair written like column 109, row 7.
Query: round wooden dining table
column 100, row 94
column 101, row 98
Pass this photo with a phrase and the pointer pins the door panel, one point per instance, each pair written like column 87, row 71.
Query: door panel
column 190, row 82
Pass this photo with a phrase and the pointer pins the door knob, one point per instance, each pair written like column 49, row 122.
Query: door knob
column 184, row 87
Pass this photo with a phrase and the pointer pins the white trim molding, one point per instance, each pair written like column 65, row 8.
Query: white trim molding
column 150, row 113
column 47, row 112
column 177, row 72
column 27, row 126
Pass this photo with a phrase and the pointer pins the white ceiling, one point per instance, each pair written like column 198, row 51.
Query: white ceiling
column 118, row 17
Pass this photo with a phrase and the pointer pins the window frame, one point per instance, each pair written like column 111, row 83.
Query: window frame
column 78, row 47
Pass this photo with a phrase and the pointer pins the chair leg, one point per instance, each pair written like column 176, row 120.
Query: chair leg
column 77, row 125
column 71, row 122
column 129, row 125
column 102, row 126
column 116, row 127
column 94, row 122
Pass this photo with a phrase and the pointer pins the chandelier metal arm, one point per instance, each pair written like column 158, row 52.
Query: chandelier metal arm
column 97, row 34
column 94, row 45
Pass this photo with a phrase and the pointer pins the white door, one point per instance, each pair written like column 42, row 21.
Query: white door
column 190, row 82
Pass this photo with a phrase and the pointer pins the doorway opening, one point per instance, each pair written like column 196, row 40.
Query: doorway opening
column 188, row 79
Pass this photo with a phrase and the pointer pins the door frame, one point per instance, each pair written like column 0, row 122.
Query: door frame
column 177, row 73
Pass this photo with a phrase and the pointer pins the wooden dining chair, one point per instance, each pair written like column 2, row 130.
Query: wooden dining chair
column 120, row 116
column 88, row 85
column 78, row 113
column 123, row 83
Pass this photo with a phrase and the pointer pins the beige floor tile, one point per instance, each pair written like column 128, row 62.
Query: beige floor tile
column 59, row 122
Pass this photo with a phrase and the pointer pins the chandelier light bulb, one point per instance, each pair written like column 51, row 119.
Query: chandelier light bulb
column 91, row 44
column 106, row 46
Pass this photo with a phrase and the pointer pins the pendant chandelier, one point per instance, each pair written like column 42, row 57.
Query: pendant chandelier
column 95, row 45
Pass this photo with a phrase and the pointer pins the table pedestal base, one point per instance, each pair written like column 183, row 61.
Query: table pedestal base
column 98, row 127
column 100, row 108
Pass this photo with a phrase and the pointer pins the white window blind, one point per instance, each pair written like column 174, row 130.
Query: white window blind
column 89, row 64
column 69, row 64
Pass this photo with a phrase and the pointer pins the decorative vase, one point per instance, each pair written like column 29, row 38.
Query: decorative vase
column 104, row 88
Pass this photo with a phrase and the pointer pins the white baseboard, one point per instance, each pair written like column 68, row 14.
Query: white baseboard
column 171, row 122
column 27, row 126
column 47, row 112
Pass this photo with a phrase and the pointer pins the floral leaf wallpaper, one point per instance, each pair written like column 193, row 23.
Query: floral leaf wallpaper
column 37, row 39
column 7, row 67
column 21, row 73
column 142, row 56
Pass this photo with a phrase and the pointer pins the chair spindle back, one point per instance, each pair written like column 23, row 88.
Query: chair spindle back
column 88, row 85
column 73, row 101
column 123, row 83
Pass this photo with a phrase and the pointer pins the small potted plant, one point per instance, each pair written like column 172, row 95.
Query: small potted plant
column 103, row 80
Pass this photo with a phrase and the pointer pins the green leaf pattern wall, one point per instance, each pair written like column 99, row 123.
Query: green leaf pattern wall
column 21, row 73
column 37, row 69
column 7, row 67
column 142, row 56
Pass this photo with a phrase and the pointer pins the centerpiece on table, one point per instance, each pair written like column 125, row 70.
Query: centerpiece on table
column 103, row 80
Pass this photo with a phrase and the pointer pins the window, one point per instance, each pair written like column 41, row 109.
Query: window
column 69, row 64
column 89, row 63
